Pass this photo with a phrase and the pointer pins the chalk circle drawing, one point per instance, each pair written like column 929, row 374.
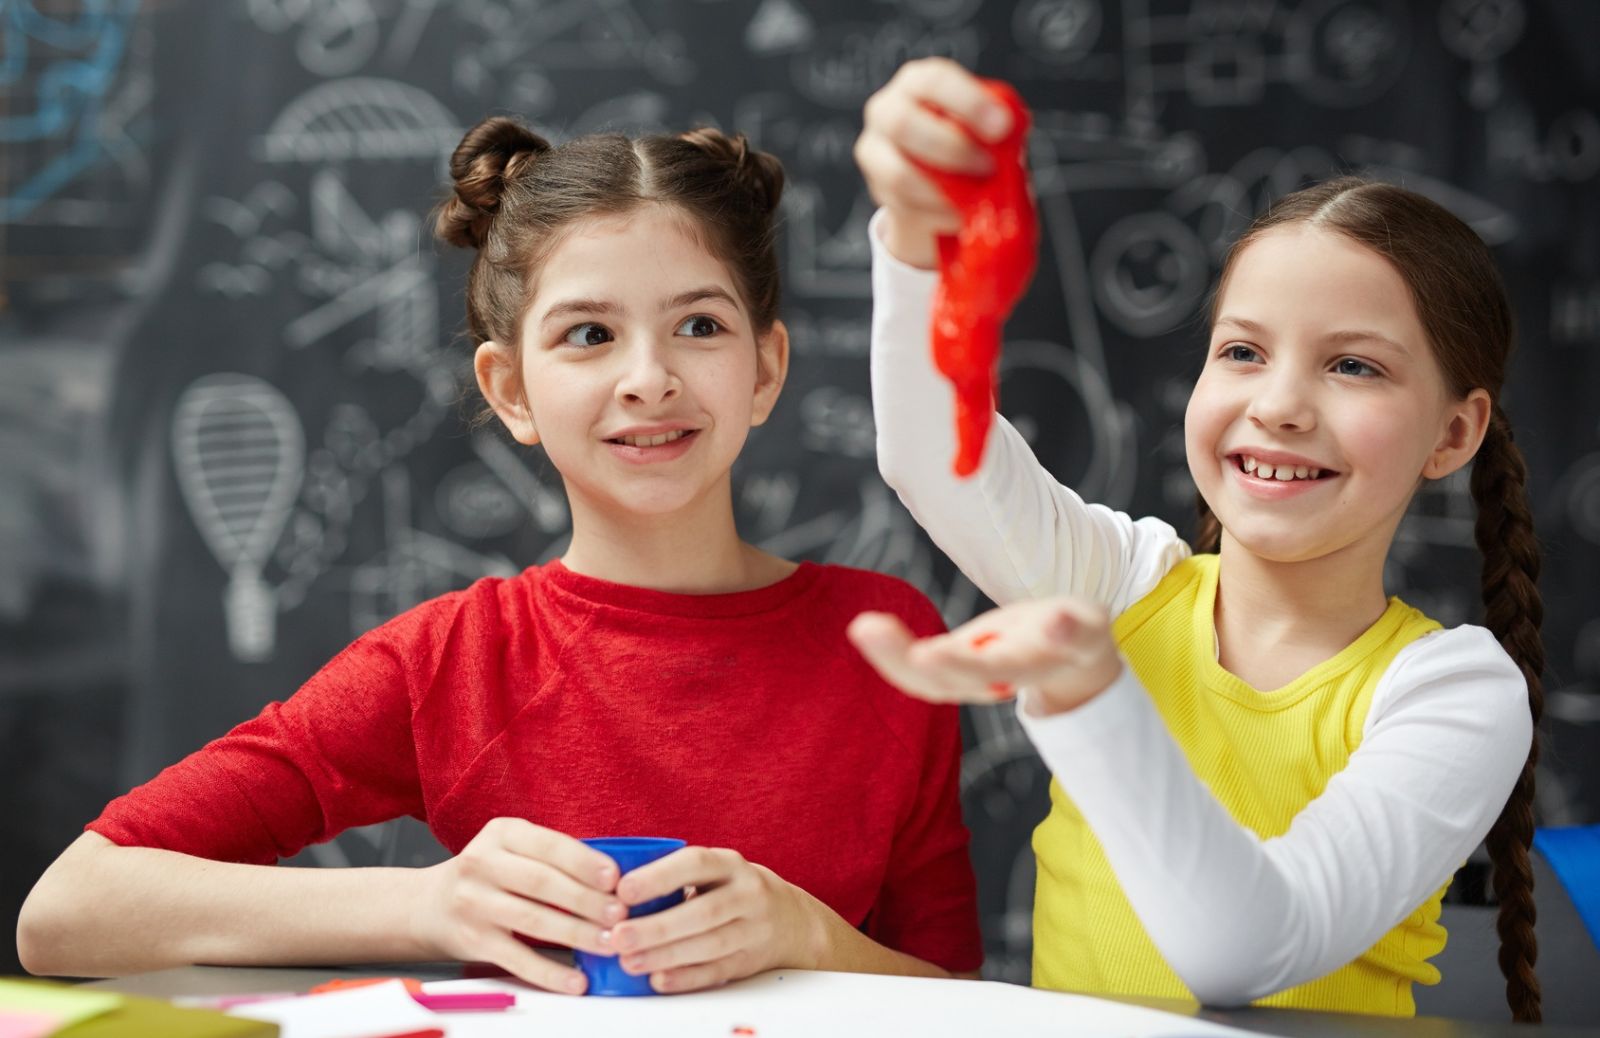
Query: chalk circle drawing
column 1149, row 271
column 836, row 422
column 1582, row 493
column 1481, row 31
column 474, row 504
column 1049, row 371
column 239, row 454
column 336, row 36
column 1060, row 31
column 362, row 118
column 1344, row 53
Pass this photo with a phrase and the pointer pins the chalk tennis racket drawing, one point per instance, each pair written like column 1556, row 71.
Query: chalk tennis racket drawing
column 239, row 454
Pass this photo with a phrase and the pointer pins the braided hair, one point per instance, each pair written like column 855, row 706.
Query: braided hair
column 1463, row 308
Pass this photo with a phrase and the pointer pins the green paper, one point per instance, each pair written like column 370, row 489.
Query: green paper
column 67, row 1004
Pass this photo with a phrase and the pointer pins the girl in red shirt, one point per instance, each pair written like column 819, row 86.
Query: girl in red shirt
column 662, row 677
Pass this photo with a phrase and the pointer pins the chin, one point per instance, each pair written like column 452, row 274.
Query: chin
column 1276, row 545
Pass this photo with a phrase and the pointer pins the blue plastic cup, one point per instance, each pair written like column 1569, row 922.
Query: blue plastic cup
column 605, row 972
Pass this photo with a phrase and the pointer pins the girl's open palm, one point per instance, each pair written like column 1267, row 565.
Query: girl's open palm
column 1059, row 648
column 519, row 878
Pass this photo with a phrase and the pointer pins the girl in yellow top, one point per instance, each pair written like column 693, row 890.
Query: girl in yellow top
column 1267, row 771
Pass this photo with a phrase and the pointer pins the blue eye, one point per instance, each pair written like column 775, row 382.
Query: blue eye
column 587, row 334
column 699, row 326
column 1238, row 351
column 1352, row 366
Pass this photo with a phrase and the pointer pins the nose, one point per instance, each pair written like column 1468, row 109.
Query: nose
column 648, row 376
column 1284, row 400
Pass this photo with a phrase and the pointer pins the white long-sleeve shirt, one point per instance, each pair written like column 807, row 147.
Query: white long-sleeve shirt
column 1444, row 739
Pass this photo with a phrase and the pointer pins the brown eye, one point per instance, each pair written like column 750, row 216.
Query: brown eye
column 587, row 334
column 699, row 326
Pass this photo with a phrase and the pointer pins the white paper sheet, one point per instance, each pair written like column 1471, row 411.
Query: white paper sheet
column 803, row 1004
column 364, row 1012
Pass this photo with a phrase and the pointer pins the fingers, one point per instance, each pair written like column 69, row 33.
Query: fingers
column 924, row 133
column 573, row 857
column 701, row 867
column 700, row 961
column 894, row 181
column 983, row 660
column 885, row 642
column 955, row 91
column 695, row 916
column 522, row 962
column 508, row 912
column 523, row 860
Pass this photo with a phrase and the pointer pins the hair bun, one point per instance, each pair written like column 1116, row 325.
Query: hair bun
column 757, row 171
column 491, row 154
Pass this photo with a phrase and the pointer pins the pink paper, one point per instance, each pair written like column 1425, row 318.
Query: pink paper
column 14, row 1024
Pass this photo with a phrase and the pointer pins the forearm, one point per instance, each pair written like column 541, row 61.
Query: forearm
column 842, row 948
column 105, row 910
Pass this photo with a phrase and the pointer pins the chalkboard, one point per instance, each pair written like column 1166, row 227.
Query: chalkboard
column 233, row 375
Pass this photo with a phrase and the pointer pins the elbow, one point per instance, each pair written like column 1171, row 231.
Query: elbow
column 42, row 930
column 1234, row 972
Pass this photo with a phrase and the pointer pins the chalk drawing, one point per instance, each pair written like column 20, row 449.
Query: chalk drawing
column 239, row 454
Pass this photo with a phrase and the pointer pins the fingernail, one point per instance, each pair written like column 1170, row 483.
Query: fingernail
column 607, row 875
column 994, row 121
column 605, row 936
column 634, row 965
column 1001, row 689
column 624, row 938
column 616, row 911
column 661, row 981
column 576, row 984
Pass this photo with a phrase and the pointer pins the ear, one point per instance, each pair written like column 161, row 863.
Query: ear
column 501, row 383
column 1465, row 424
column 772, row 368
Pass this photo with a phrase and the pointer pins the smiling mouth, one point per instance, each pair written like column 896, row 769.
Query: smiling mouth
column 1280, row 473
column 658, row 440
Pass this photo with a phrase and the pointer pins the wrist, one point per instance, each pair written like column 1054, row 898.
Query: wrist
column 909, row 241
column 813, row 945
column 1046, row 700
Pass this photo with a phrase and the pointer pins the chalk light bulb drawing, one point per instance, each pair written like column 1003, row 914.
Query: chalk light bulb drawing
column 239, row 453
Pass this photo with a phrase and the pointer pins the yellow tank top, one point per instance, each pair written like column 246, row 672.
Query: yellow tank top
column 1265, row 756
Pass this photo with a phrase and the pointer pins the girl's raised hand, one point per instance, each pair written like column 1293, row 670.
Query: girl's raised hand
column 1060, row 648
column 912, row 119
column 519, row 878
column 742, row 919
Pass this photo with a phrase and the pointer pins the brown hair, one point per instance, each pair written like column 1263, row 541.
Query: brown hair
column 1464, row 310
column 515, row 195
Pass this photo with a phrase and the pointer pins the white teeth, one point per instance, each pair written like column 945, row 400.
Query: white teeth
column 1282, row 473
column 652, row 441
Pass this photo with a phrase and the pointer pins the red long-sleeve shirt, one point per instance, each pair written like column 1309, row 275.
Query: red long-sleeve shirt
column 739, row 720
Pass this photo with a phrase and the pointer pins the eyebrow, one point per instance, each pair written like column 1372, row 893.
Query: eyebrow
column 1341, row 336
column 606, row 307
